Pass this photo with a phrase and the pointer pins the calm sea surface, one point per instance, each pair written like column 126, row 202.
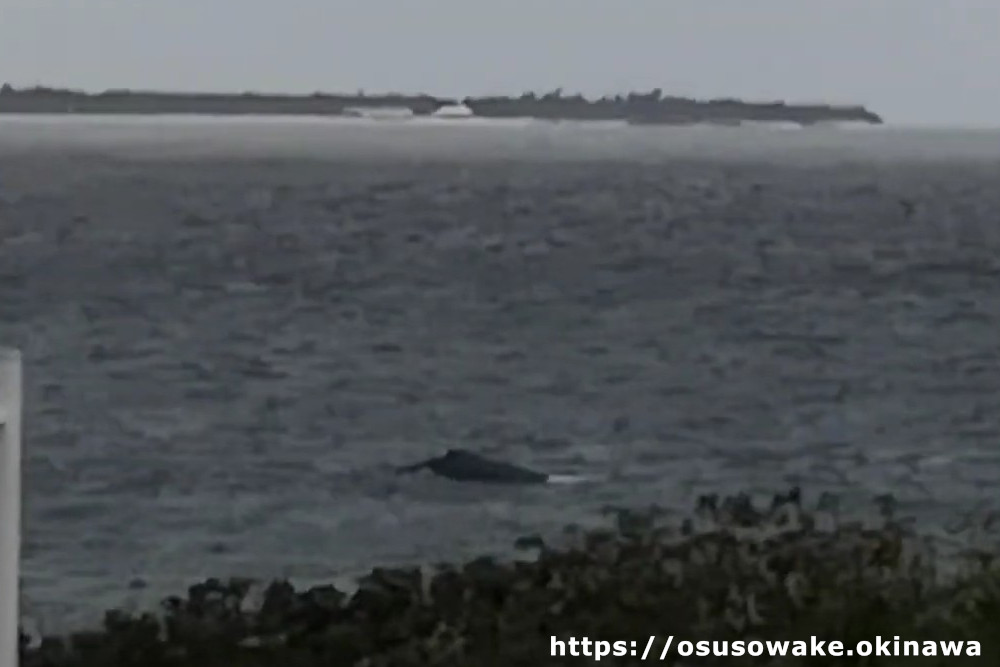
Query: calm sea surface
column 233, row 329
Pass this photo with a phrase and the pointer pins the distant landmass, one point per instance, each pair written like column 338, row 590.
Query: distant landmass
column 639, row 108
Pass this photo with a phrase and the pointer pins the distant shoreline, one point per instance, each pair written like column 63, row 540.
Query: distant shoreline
column 651, row 108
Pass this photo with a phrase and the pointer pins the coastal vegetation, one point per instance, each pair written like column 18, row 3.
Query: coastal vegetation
column 734, row 570
column 641, row 108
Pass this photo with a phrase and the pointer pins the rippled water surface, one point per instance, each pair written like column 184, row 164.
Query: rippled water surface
column 233, row 330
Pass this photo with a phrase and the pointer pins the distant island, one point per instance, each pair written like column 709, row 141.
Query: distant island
column 652, row 108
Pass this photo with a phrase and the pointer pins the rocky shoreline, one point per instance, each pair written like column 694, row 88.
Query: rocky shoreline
column 732, row 571
column 638, row 108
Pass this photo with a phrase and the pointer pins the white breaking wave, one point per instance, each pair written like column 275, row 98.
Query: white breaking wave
column 570, row 479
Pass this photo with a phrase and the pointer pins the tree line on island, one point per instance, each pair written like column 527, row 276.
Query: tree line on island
column 653, row 107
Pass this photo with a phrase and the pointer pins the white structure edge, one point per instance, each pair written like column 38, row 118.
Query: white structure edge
column 10, row 504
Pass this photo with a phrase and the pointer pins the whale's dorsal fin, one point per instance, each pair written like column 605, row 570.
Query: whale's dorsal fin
column 623, row 453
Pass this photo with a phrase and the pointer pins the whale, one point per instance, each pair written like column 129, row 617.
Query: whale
column 465, row 466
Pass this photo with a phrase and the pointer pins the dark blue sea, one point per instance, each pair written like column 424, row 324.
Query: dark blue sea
column 233, row 330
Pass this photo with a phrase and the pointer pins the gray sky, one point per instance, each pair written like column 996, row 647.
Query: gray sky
column 924, row 61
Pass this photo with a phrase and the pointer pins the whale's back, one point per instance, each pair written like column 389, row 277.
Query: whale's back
column 466, row 466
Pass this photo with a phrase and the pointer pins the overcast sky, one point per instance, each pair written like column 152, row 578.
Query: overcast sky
column 927, row 61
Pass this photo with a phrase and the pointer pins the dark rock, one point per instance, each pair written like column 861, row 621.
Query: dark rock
column 749, row 574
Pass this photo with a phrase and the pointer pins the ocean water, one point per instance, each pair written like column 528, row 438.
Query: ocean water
column 234, row 329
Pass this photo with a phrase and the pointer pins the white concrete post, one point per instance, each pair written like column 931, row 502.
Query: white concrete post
column 10, row 503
